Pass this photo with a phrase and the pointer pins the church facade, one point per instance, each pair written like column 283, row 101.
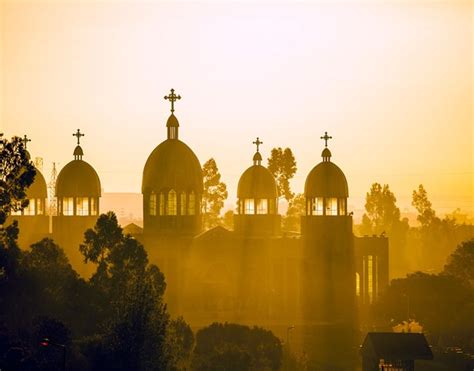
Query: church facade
column 310, row 287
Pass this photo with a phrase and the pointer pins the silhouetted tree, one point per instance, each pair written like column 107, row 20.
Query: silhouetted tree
column 17, row 173
column 461, row 262
column 228, row 219
column 435, row 301
column 296, row 208
column 180, row 342
column 420, row 201
column 214, row 194
column 282, row 165
column 383, row 216
column 236, row 347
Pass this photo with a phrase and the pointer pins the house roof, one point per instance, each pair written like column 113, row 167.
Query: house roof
column 396, row 346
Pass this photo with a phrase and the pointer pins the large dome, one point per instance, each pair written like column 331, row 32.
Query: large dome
column 78, row 179
column 326, row 180
column 257, row 182
column 172, row 165
column 38, row 188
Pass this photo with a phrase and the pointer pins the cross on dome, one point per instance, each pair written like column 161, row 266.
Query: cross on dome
column 25, row 140
column 172, row 97
column 78, row 135
column 326, row 137
column 257, row 143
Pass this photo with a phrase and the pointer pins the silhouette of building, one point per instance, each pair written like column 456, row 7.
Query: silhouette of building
column 391, row 351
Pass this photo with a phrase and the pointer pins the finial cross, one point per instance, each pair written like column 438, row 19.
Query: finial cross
column 326, row 137
column 257, row 143
column 25, row 140
column 78, row 135
column 172, row 97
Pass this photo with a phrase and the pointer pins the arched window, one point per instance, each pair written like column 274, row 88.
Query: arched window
column 152, row 204
column 182, row 202
column 39, row 206
column 249, row 206
column 162, row 203
column 30, row 209
column 82, row 206
column 262, row 206
column 331, row 206
column 342, row 206
column 192, row 204
column 68, row 206
column 93, row 206
column 318, row 208
column 172, row 201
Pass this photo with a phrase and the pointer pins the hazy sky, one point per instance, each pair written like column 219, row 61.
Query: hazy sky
column 391, row 82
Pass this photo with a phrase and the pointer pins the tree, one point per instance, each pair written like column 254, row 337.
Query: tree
column 461, row 262
column 228, row 219
column 180, row 342
column 296, row 208
column 231, row 346
column 282, row 165
column 17, row 173
column 426, row 214
column 214, row 194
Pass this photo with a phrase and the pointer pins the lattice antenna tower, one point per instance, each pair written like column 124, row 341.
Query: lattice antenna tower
column 53, row 206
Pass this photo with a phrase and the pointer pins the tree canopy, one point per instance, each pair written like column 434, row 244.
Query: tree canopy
column 282, row 165
column 214, row 194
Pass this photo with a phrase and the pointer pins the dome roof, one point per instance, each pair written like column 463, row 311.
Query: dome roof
column 257, row 182
column 78, row 151
column 172, row 164
column 326, row 180
column 38, row 188
column 78, row 179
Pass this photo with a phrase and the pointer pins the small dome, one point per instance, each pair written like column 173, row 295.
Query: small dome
column 172, row 121
column 172, row 165
column 38, row 188
column 326, row 180
column 326, row 154
column 78, row 151
column 78, row 179
column 257, row 157
column 257, row 182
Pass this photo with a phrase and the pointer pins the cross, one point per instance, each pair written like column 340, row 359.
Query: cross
column 172, row 98
column 78, row 135
column 25, row 140
column 326, row 138
column 257, row 143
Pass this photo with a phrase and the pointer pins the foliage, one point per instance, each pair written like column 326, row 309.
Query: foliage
column 236, row 347
column 435, row 301
column 296, row 209
column 17, row 173
column 228, row 219
column 180, row 342
column 282, row 165
column 426, row 214
column 461, row 262
column 214, row 194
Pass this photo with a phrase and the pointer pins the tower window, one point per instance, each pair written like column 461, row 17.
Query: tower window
column 318, row 208
column 331, row 206
column 162, row 203
column 82, row 206
column 370, row 278
column 68, row 205
column 342, row 206
column 172, row 200
column 357, row 284
column 152, row 204
column 192, row 204
column 182, row 202
column 30, row 209
column 249, row 206
column 93, row 206
column 262, row 206
column 39, row 206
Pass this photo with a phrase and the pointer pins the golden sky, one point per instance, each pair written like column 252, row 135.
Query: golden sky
column 390, row 81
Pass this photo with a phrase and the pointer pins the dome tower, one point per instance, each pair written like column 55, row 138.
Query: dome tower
column 257, row 196
column 78, row 193
column 328, row 276
column 172, row 185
